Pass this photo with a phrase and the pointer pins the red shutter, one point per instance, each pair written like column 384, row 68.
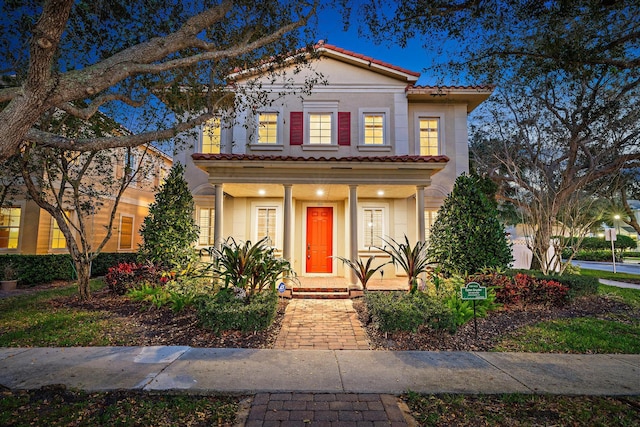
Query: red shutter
column 344, row 128
column 296, row 128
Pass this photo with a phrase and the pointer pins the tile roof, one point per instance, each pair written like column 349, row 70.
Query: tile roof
column 445, row 88
column 359, row 159
column 327, row 46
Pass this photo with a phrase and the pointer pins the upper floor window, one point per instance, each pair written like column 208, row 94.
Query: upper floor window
column 373, row 129
column 320, row 128
column 9, row 227
column 429, row 136
column 130, row 163
column 206, row 223
column 267, row 128
column 211, row 136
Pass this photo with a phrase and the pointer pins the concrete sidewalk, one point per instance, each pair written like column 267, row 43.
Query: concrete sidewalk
column 201, row 370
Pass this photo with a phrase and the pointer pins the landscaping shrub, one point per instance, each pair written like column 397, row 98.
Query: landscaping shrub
column 37, row 269
column 226, row 312
column 400, row 311
column 100, row 266
column 578, row 285
column 467, row 235
column 127, row 275
column 599, row 255
column 524, row 289
column 599, row 243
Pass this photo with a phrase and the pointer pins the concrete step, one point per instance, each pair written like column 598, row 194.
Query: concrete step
column 321, row 293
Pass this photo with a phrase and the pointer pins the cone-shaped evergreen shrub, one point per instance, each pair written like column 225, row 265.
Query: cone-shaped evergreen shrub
column 467, row 235
column 169, row 230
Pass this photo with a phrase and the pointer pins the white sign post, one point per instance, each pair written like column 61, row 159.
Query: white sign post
column 610, row 235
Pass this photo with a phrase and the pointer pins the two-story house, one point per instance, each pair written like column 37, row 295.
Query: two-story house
column 25, row 228
column 366, row 157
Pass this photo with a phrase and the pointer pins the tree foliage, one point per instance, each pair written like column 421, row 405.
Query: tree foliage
column 467, row 236
column 170, row 230
column 126, row 58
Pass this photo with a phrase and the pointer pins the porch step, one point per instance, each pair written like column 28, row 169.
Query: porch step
column 320, row 293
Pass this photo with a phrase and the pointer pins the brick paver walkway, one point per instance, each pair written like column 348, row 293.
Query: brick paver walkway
column 330, row 409
column 321, row 325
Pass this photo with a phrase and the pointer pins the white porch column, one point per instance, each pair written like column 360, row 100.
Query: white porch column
column 217, row 221
column 353, row 228
column 286, row 235
column 420, row 212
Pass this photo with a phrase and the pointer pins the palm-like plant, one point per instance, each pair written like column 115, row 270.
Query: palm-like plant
column 414, row 261
column 363, row 271
column 251, row 267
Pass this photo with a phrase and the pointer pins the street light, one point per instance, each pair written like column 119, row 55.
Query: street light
column 617, row 220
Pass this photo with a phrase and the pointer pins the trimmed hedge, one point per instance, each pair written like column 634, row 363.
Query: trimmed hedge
column 224, row 312
column 599, row 255
column 599, row 243
column 402, row 311
column 36, row 269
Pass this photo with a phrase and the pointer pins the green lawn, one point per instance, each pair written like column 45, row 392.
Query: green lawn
column 33, row 321
column 58, row 407
column 609, row 275
column 580, row 335
column 523, row 410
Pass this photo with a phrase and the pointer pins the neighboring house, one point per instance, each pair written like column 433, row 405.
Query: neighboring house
column 367, row 157
column 27, row 229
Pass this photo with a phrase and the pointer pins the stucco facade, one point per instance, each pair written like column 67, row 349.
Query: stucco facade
column 366, row 157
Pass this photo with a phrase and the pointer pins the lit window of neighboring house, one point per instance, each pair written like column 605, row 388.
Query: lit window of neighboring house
column 125, row 232
column 9, row 227
column 429, row 219
column 374, row 129
column 373, row 227
column 320, row 128
column 267, row 128
column 429, row 136
column 211, row 136
column 206, row 223
column 57, row 238
column 266, row 224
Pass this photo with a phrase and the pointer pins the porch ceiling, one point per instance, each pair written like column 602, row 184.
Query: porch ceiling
column 310, row 191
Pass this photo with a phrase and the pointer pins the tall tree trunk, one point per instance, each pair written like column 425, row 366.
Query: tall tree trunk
column 83, row 269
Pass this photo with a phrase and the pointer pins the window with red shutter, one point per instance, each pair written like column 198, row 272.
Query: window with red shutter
column 344, row 128
column 296, row 128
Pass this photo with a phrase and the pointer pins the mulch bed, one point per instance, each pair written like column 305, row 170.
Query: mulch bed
column 136, row 323
column 139, row 324
column 496, row 325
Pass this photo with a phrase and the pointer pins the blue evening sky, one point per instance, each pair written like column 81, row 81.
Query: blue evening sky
column 414, row 57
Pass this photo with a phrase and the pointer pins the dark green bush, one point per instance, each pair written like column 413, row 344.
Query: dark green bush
column 225, row 312
column 599, row 243
column 401, row 311
column 100, row 266
column 602, row 255
column 36, row 269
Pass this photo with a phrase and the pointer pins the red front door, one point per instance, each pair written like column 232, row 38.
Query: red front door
column 319, row 240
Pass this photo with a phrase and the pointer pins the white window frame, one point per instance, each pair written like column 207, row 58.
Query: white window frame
column 201, row 136
column 210, row 227
column 54, row 226
column 255, row 207
column 385, row 113
column 320, row 107
column 256, row 145
column 441, row 131
column 18, row 205
column 362, row 207
column 430, row 216
column 133, row 230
